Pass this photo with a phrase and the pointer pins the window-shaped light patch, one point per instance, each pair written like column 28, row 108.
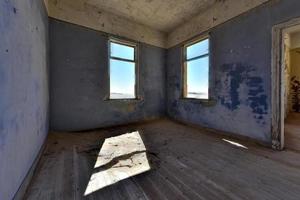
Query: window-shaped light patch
column 122, row 71
column 197, row 70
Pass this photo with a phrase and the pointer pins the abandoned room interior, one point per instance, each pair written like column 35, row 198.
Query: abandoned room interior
column 149, row 99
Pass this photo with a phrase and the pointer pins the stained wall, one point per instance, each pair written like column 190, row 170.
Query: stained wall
column 240, row 74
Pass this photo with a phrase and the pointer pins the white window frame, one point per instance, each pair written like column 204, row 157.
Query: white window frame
column 185, row 61
column 135, row 61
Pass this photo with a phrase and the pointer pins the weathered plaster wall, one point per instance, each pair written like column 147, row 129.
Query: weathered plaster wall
column 153, row 13
column 183, row 20
column 23, row 89
column 220, row 12
column 241, row 74
column 79, row 81
column 82, row 13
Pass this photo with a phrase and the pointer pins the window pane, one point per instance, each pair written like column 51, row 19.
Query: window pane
column 198, row 49
column 197, row 78
column 122, row 51
column 122, row 79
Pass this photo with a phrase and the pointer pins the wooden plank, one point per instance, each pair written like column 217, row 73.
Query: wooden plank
column 186, row 163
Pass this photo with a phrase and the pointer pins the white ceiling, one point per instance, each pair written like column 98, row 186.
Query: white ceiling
column 162, row 15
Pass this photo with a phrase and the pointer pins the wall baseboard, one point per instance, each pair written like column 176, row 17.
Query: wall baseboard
column 220, row 133
column 19, row 195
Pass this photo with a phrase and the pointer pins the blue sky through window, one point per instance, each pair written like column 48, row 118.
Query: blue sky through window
column 122, row 51
column 197, row 49
column 122, row 73
column 197, row 78
column 197, row 72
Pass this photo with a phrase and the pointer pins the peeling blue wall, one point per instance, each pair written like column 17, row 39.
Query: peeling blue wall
column 79, row 81
column 23, row 89
column 240, row 74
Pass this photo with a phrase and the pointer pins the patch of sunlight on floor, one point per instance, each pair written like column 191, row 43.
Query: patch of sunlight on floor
column 120, row 157
column 235, row 143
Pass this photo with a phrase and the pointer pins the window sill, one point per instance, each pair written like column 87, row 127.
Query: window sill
column 204, row 102
column 124, row 100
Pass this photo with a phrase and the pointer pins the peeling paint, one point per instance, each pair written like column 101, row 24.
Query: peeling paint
column 234, row 76
column 257, row 99
column 237, row 76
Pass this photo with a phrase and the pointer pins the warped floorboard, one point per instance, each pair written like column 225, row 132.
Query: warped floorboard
column 186, row 163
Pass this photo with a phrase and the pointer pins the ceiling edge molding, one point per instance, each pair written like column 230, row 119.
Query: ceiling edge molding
column 91, row 17
column 221, row 12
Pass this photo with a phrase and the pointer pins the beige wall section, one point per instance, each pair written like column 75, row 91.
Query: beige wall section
column 291, row 47
column 84, row 14
column 295, row 63
column 295, row 79
column 287, row 73
column 46, row 4
column 295, row 39
column 221, row 12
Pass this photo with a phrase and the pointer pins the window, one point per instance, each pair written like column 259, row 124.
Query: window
column 122, row 70
column 196, row 70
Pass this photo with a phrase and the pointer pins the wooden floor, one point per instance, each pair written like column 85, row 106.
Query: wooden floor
column 292, row 132
column 186, row 163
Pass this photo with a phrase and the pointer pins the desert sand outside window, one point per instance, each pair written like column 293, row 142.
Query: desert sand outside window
column 196, row 70
column 122, row 70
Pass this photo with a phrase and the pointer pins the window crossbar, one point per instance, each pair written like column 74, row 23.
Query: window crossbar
column 122, row 59
column 197, row 57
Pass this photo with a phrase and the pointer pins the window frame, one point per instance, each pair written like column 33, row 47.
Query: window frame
column 184, row 67
column 135, row 46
